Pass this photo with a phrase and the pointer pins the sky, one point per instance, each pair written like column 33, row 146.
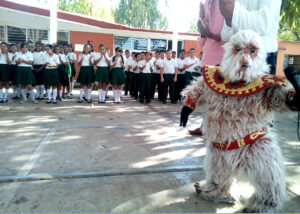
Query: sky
column 180, row 13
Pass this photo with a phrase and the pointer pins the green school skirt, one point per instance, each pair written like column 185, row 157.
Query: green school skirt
column 4, row 72
column 86, row 75
column 51, row 77
column 102, row 75
column 63, row 75
column 39, row 76
column 118, row 76
column 25, row 76
column 73, row 74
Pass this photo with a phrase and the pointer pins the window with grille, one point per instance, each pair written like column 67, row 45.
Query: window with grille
column 158, row 45
column 128, row 43
column 2, row 33
column 15, row 34
column 35, row 35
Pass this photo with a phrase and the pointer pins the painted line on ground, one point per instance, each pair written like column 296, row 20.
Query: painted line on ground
column 98, row 174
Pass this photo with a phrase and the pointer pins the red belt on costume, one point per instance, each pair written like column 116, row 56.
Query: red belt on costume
column 249, row 139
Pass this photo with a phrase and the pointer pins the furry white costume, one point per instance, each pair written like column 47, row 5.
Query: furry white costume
column 239, row 100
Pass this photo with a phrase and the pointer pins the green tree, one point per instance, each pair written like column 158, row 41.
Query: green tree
column 140, row 14
column 290, row 20
column 193, row 28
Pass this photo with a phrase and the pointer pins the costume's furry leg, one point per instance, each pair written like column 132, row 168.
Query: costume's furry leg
column 218, row 178
column 265, row 170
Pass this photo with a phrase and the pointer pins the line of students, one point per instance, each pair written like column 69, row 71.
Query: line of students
column 54, row 67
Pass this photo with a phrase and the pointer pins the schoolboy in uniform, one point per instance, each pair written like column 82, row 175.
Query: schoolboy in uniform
column 179, row 85
column 191, row 66
column 146, row 67
column 168, row 75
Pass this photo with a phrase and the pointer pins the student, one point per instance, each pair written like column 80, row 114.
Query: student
column 136, row 71
column 159, row 64
column 191, row 66
column 5, row 61
column 72, row 59
column 14, row 72
column 179, row 85
column 25, row 76
column 86, row 74
column 66, row 89
column 102, row 60
column 155, row 79
column 127, row 71
column 174, row 55
column 168, row 75
column 51, row 76
column 61, row 69
column 118, row 74
column 38, row 70
column 132, row 62
column 146, row 67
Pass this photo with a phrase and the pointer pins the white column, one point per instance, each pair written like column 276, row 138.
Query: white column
column 53, row 21
column 175, row 16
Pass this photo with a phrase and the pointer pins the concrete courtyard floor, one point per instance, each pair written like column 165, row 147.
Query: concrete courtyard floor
column 115, row 158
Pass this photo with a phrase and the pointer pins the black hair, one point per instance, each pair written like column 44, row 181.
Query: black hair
column 173, row 52
column 70, row 45
column 127, row 51
column 85, row 46
column 4, row 44
column 54, row 48
column 50, row 46
column 192, row 49
column 136, row 55
column 168, row 51
column 118, row 49
column 24, row 44
column 182, row 51
column 38, row 43
column 143, row 52
column 102, row 45
column 13, row 44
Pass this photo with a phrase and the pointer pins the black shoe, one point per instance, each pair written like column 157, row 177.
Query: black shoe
column 18, row 98
column 148, row 101
column 142, row 102
column 14, row 98
column 84, row 98
column 80, row 101
column 49, row 102
column 1, row 101
column 54, row 102
column 174, row 103
column 164, row 102
column 60, row 98
column 89, row 101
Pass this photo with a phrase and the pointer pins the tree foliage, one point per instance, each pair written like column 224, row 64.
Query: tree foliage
column 290, row 20
column 140, row 14
column 86, row 7
column 193, row 27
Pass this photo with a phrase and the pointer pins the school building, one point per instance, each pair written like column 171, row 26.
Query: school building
column 21, row 23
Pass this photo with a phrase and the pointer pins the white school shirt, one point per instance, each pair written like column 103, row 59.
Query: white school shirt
column 169, row 66
column 133, row 64
column 261, row 16
column 38, row 58
column 118, row 60
column 52, row 60
column 63, row 58
column 160, row 63
column 180, row 63
column 3, row 58
column 102, row 62
column 155, row 70
column 189, row 61
column 86, row 59
column 127, row 62
column 27, row 57
column 13, row 57
column 147, row 69
column 72, row 56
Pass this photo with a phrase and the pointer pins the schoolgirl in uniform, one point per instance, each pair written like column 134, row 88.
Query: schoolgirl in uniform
column 72, row 59
column 102, row 60
column 51, row 78
column 5, row 61
column 38, row 70
column 14, row 72
column 118, row 74
column 25, row 76
column 86, row 74
column 62, row 71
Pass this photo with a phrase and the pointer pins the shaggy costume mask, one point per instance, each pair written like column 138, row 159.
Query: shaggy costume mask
column 239, row 100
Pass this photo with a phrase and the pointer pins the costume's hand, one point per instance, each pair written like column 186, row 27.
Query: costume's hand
column 185, row 112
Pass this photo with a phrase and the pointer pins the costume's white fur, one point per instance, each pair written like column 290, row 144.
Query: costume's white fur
column 229, row 118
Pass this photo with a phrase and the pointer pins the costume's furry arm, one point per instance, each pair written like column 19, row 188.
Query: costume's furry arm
column 194, row 94
column 277, row 98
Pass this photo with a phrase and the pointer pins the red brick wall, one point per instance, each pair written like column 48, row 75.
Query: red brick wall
column 188, row 44
column 77, row 37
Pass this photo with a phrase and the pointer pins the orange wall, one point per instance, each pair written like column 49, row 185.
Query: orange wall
column 286, row 48
column 188, row 44
column 78, row 37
